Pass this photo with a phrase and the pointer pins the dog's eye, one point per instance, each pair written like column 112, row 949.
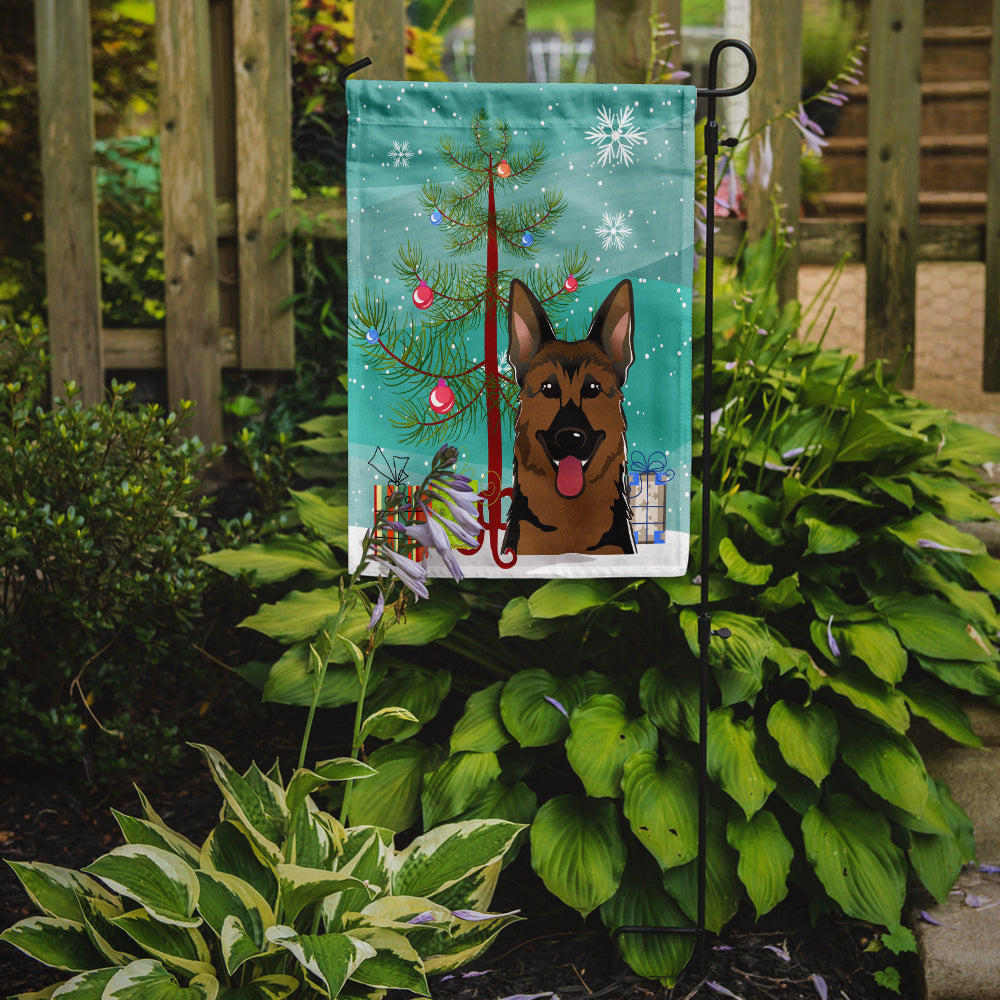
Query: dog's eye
column 550, row 389
column 590, row 389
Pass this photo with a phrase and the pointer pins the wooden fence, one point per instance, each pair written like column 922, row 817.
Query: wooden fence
column 226, row 160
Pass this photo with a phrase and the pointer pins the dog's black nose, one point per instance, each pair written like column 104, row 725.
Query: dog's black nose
column 571, row 440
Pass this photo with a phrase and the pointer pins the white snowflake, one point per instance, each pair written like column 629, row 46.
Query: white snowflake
column 613, row 230
column 615, row 134
column 400, row 154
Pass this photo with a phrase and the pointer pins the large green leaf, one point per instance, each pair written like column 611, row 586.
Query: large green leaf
column 304, row 782
column 230, row 849
column 661, row 800
column 179, row 948
column 765, row 858
column 866, row 692
column 876, row 646
column 419, row 690
column 851, row 850
column 516, row 803
column 274, row 987
column 888, row 763
column 291, row 680
column 807, row 736
column 870, row 436
column 602, row 737
column 641, row 901
column 732, row 760
column 925, row 528
column 163, row 884
column 535, row 706
column 278, row 558
column 932, row 628
column 147, row 979
column 439, row 858
column 330, row 959
column 738, row 661
column 559, row 598
column 957, row 501
column 723, row 889
column 578, row 851
column 327, row 520
column 54, row 941
column 456, row 784
column 516, row 619
column 391, row 798
column 941, row 709
column 827, row 539
column 758, row 511
column 225, row 897
column 481, row 728
column 739, row 569
column 671, row 700
column 976, row 678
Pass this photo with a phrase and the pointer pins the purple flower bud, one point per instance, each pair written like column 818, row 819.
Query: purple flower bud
column 820, row 983
column 834, row 648
column 552, row 701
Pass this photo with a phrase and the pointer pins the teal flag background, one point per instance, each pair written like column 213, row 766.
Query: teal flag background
column 621, row 161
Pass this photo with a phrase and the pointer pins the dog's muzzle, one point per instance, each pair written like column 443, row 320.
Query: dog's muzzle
column 569, row 443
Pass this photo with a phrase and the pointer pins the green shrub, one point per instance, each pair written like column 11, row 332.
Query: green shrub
column 280, row 899
column 99, row 540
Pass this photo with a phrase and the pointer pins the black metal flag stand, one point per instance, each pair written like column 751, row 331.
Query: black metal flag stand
column 705, row 631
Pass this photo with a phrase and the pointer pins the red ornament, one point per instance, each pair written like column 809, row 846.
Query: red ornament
column 571, row 284
column 503, row 169
column 442, row 399
column 423, row 295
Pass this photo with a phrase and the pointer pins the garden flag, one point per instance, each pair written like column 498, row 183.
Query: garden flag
column 520, row 279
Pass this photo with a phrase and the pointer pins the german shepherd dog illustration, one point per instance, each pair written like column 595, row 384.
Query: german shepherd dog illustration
column 570, row 490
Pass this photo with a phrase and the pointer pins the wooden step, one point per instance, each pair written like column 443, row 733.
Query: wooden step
column 956, row 53
column 947, row 162
column 957, row 206
column 945, row 103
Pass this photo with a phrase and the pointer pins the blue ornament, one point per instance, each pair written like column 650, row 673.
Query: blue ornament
column 372, row 336
column 436, row 218
column 527, row 239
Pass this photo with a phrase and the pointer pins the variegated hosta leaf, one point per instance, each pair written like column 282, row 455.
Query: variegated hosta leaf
column 300, row 887
column 850, row 847
column 723, row 889
column 256, row 801
column 54, row 941
column 807, row 736
column 304, row 782
column 535, row 706
column 225, row 897
column 147, row 979
column 86, row 986
column 765, row 858
column 602, row 737
column 230, row 849
column 274, row 987
column 467, row 940
column 642, row 902
column 661, row 800
column 116, row 947
column 177, row 947
column 367, row 853
column 481, row 727
column 578, row 851
column 315, row 838
column 732, row 760
column 395, row 964
column 329, row 959
column 456, row 784
column 141, row 831
column 158, row 880
column 441, row 857
column 476, row 890
column 56, row 891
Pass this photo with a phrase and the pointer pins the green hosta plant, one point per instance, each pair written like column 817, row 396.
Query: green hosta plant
column 279, row 900
column 855, row 605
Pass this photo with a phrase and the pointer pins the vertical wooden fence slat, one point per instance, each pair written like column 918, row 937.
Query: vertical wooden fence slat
column 501, row 41
column 622, row 40
column 893, row 183
column 261, row 57
column 776, row 36
column 991, row 332
column 72, row 256
column 190, row 253
column 380, row 34
column 669, row 12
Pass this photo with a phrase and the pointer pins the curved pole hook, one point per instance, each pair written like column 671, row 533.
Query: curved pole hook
column 713, row 69
column 353, row 68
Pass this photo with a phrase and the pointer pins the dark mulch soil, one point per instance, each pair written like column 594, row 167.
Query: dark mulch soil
column 551, row 952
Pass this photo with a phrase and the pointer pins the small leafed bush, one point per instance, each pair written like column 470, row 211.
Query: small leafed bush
column 99, row 578
column 280, row 899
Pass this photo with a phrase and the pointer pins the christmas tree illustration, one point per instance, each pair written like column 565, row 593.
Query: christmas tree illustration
column 442, row 363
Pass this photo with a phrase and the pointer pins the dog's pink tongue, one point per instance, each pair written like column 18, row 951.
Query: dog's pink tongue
column 569, row 478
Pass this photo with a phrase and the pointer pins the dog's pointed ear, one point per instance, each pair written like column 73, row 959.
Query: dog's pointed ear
column 528, row 328
column 613, row 327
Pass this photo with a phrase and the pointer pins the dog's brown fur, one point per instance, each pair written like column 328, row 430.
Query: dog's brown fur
column 569, row 440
